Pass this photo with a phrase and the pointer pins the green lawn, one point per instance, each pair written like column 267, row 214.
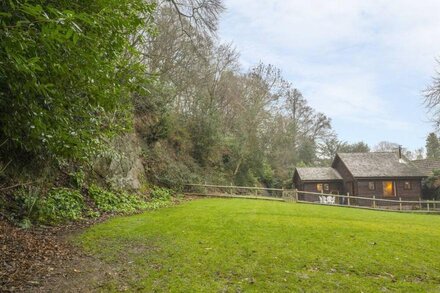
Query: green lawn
column 235, row 245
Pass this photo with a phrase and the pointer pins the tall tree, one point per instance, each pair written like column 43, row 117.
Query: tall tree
column 68, row 70
column 386, row 146
column 432, row 98
column 357, row 147
column 432, row 146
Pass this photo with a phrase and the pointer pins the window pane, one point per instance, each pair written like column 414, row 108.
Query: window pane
column 319, row 187
column 388, row 188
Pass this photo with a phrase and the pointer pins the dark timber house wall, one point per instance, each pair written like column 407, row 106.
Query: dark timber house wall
column 308, row 179
column 385, row 175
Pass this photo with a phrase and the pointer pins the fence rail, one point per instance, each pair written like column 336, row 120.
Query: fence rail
column 373, row 202
column 293, row 195
column 235, row 191
column 236, row 187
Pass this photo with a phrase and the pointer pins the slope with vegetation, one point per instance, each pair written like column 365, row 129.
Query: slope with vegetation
column 129, row 94
column 126, row 94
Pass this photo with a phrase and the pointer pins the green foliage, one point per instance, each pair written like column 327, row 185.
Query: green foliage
column 67, row 73
column 108, row 201
column 159, row 193
column 60, row 205
column 432, row 146
column 57, row 206
column 431, row 186
column 78, row 178
column 205, row 136
column 23, row 205
column 164, row 168
column 122, row 202
column 307, row 152
column 267, row 176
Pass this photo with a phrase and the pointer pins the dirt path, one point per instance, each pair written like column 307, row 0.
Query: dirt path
column 45, row 260
column 42, row 260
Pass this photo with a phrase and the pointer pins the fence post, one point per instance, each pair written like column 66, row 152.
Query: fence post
column 427, row 203
column 400, row 203
column 348, row 198
column 230, row 188
column 433, row 203
column 374, row 201
column 256, row 190
column 420, row 202
column 282, row 192
column 295, row 193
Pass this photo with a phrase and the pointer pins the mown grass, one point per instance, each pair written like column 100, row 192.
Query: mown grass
column 233, row 245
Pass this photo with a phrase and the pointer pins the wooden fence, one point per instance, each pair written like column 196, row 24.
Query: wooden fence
column 236, row 191
column 372, row 202
column 293, row 195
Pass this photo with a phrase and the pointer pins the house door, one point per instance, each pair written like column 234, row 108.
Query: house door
column 349, row 187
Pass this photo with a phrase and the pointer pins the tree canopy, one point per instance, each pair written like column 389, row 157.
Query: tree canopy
column 68, row 70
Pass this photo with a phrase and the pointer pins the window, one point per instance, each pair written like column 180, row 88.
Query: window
column 319, row 187
column 407, row 185
column 371, row 185
column 326, row 187
column 388, row 188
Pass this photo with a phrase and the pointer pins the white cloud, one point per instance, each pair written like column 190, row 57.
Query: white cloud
column 353, row 60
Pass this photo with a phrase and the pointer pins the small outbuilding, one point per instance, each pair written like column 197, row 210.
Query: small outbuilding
column 323, row 179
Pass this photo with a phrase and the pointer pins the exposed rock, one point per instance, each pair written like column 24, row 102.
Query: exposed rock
column 122, row 168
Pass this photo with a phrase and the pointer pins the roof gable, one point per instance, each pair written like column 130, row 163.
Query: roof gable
column 318, row 174
column 379, row 164
column 426, row 166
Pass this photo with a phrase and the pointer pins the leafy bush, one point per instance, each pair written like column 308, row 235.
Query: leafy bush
column 431, row 186
column 165, row 168
column 122, row 202
column 22, row 205
column 60, row 205
column 159, row 193
column 78, row 178
column 68, row 71
column 105, row 200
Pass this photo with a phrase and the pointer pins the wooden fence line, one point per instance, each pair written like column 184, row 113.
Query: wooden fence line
column 371, row 198
column 236, row 187
column 371, row 208
column 238, row 196
column 432, row 206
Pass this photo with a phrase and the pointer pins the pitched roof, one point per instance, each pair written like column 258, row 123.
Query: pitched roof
column 379, row 164
column 426, row 166
column 318, row 174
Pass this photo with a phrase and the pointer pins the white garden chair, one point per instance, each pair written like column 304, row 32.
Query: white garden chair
column 331, row 199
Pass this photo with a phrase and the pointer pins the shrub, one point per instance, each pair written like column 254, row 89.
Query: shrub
column 60, row 205
column 159, row 193
column 105, row 200
column 22, row 205
column 122, row 202
column 46, row 47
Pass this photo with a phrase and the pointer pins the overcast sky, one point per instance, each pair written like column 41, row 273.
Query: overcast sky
column 363, row 63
